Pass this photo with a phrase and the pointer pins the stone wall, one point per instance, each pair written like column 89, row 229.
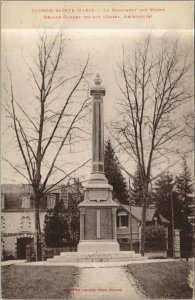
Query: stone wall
column 13, row 228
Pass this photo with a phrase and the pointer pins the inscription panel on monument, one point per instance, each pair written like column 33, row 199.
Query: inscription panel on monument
column 98, row 195
column 106, row 223
column 90, row 223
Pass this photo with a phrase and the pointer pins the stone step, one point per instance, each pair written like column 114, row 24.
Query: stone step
column 95, row 258
column 75, row 254
column 82, row 257
column 97, row 255
column 84, row 260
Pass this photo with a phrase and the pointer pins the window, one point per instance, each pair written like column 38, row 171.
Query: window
column 2, row 201
column 2, row 223
column 25, row 201
column 155, row 221
column 122, row 220
column 25, row 224
column 51, row 201
column 124, row 240
column 65, row 196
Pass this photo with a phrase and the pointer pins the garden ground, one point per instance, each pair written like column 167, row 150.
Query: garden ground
column 148, row 279
column 37, row 282
column 163, row 279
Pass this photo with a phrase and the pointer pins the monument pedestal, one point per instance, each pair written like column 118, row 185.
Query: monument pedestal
column 98, row 217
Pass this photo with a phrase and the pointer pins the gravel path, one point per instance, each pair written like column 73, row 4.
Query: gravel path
column 105, row 284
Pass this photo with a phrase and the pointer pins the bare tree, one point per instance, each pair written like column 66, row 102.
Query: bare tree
column 189, row 130
column 154, row 84
column 53, row 124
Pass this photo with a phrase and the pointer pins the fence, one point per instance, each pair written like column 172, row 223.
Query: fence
column 150, row 246
column 155, row 240
column 50, row 252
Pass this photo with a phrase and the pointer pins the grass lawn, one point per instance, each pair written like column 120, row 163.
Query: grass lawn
column 163, row 280
column 38, row 282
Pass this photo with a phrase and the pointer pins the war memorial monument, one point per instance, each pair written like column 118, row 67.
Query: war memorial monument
column 98, row 240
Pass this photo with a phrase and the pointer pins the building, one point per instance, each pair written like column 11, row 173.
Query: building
column 18, row 217
column 153, row 220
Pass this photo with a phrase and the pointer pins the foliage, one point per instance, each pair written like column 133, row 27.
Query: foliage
column 73, row 221
column 180, row 190
column 184, row 191
column 184, row 194
column 62, row 223
column 155, row 233
column 136, row 190
column 114, row 175
column 162, row 191
column 56, row 227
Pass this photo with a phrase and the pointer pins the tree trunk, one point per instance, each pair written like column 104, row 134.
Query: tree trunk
column 143, row 222
column 38, row 246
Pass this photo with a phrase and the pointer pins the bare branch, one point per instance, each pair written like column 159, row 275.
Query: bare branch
column 17, row 133
column 66, row 175
column 65, row 105
column 63, row 141
column 16, row 169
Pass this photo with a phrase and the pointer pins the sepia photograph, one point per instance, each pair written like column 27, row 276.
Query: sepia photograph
column 97, row 145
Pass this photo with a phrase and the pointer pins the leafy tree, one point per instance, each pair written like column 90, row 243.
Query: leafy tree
column 136, row 190
column 184, row 190
column 184, row 194
column 155, row 237
column 73, row 221
column 56, row 231
column 62, row 224
column 163, row 188
column 164, row 193
column 180, row 189
column 114, row 175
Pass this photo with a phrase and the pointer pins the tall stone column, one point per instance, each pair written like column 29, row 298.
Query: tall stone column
column 98, row 91
column 98, row 130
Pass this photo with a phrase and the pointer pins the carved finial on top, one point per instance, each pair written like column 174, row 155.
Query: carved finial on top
column 97, row 80
column 97, row 89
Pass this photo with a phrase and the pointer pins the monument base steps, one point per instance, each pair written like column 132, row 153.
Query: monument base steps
column 83, row 257
column 98, row 246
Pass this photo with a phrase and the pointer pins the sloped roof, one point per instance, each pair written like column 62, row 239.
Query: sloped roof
column 21, row 189
column 137, row 213
column 163, row 219
column 13, row 196
column 16, row 189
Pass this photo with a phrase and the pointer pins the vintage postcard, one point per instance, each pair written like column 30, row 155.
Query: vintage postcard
column 97, row 186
